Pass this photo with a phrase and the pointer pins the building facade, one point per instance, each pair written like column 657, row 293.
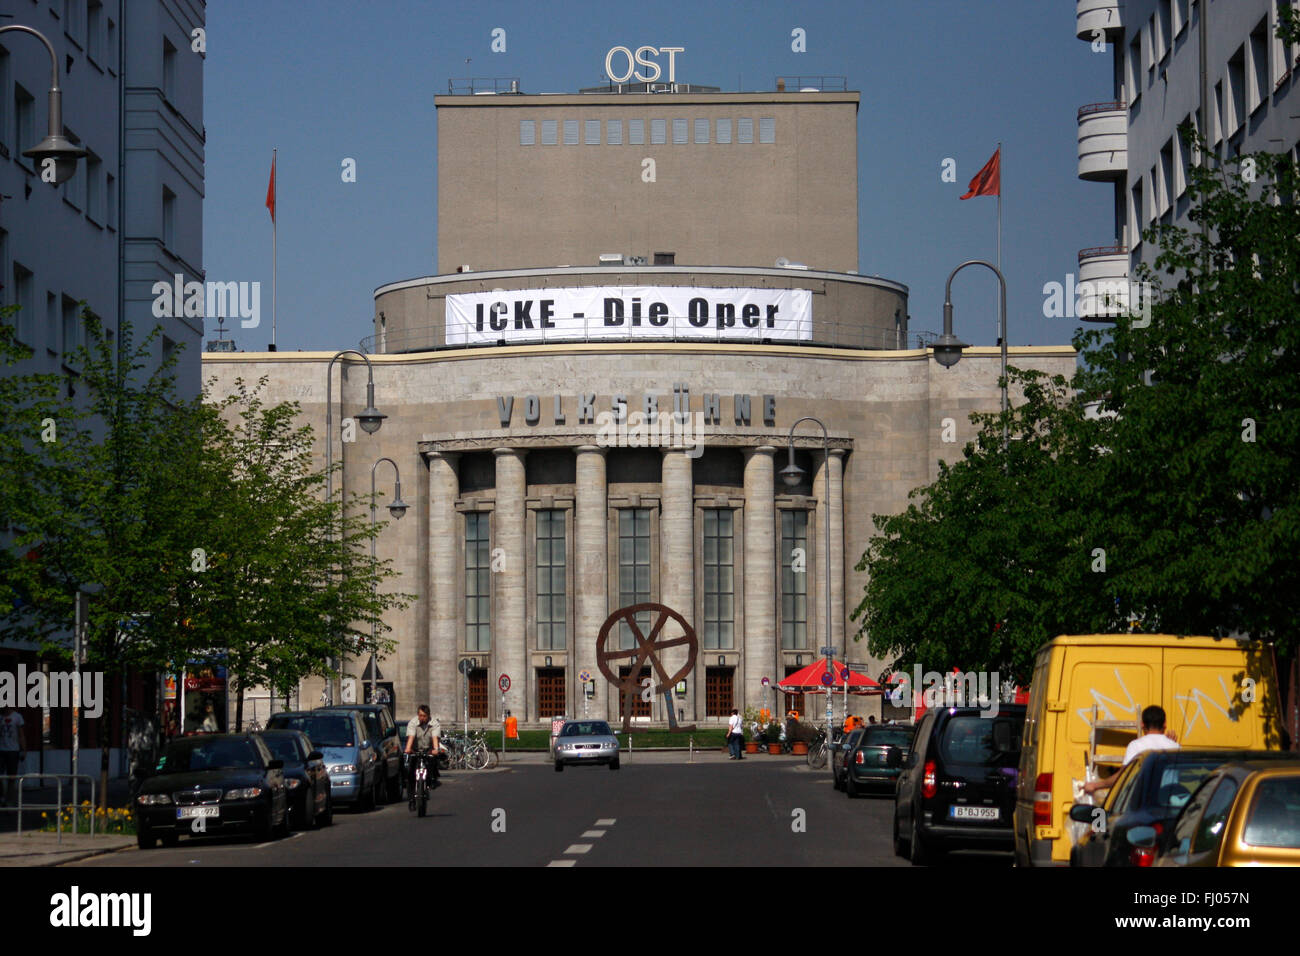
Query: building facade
column 651, row 291
column 1131, row 141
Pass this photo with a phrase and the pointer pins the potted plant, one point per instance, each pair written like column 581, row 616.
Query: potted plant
column 774, row 738
column 750, row 716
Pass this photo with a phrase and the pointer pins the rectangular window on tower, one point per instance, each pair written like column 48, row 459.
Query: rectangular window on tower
column 719, row 579
column 794, row 580
column 551, row 590
column 633, row 569
column 478, row 582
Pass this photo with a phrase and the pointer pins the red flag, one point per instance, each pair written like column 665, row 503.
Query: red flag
column 988, row 181
column 270, row 190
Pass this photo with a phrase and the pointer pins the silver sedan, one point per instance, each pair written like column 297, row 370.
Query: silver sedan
column 586, row 742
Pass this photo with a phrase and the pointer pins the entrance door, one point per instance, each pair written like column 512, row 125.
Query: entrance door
column 640, row 707
column 478, row 694
column 718, row 691
column 550, row 692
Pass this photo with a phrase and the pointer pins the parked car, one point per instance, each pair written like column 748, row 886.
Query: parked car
column 873, row 761
column 839, row 752
column 215, row 783
column 305, row 776
column 957, row 787
column 1072, row 673
column 381, row 727
column 586, row 742
column 356, row 773
column 1148, row 792
column 1243, row 814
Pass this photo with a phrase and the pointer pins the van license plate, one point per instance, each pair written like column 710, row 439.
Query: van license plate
column 974, row 813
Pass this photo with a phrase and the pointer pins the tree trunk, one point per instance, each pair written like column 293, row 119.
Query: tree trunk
column 239, row 707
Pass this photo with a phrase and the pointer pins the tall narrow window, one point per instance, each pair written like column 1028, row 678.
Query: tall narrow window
column 679, row 132
column 614, row 132
column 1258, row 86
column 719, row 579
column 168, row 219
column 478, row 582
column 633, row 568
column 549, row 132
column 169, row 70
column 794, row 580
column 71, row 331
column 767, row 129
column 24, row 125
column 94, row 189
column 26, row 301
column 701, row 131
column 636, row 132
column 95, row 30
column 527, row 132
column 724, row 131
column 591, row 132
column 658, row 132
column 110, row 201
column 551, row 596
column 745, row 130
column 570, row 132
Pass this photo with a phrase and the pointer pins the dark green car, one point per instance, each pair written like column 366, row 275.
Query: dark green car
column 867, row 764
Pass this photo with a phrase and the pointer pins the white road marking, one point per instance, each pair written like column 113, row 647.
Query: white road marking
column 562, row 863
column 593, row 833
column 606, row 822
column 578, row 848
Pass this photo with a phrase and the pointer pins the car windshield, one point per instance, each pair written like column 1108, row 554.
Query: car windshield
column 1275, row 816
column 282, row 748
column 586, row 728
column 1172, row 787
column 325, row 730
column 968, row 738
column 187, row 756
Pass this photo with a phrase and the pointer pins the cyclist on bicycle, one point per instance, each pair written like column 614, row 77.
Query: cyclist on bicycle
column 422, row 737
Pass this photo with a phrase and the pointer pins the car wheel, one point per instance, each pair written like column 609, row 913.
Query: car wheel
column 395, row 788
column 559, row 765
column 327, row 817
column 286, row 823
column 922, row 855
column 900, row 848
column 613, row 764
column 850, row 787
column 144, row 839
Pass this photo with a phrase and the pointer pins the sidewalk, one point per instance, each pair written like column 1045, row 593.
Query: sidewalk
column 43, row 849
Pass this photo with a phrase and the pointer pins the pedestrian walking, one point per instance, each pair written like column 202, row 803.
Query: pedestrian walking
column 734, row 735
column 12, row 752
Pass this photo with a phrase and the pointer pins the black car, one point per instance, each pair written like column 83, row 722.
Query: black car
column 840, row 751
column 382, row 731
column 1148, row 792
column 305, row 776
column 213, row 783
column 352, row 759
column 870, row 761
column 957, row 787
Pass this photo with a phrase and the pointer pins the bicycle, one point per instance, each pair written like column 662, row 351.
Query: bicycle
column 469, row 752
column 420, row 795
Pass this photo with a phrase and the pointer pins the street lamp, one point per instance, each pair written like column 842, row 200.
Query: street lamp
column 55, row 146
column 370, row 420
column 397, row 507
column 948, row 348
column 792, row 475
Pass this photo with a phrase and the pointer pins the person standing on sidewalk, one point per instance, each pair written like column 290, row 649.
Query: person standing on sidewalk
column 734, row 735
column 12, row 752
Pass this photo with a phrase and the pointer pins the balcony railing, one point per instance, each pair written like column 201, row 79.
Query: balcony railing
column 1107, row 107
column 1093, row 252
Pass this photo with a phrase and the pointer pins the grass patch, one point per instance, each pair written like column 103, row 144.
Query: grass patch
column 114, row 820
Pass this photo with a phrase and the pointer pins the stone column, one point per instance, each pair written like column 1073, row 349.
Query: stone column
column 677, row 564
column 509, row 562
column 590, row 574
column 441, row 682
column 836, row 498
column 758, row 644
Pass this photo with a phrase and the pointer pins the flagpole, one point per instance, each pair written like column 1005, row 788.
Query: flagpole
column 1002, row 332
column 274, row 264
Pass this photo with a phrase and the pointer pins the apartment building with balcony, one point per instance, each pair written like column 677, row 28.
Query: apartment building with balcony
column 1131, row 142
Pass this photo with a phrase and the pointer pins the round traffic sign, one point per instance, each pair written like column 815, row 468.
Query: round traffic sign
column 503, row 682
column 584, row 676
column 765, row 682
column 844, row 674
column 465, row 666
column 827, row 679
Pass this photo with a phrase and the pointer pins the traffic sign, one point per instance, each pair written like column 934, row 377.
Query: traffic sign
column 584, row 676
column 827, row 679
column 465, row 666
column 765, row 682
column 844, row 674
column 504, row 683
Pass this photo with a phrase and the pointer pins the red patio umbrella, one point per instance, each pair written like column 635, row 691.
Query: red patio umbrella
column 809, row 680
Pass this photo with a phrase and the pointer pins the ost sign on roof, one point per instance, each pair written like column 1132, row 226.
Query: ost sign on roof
column 622, row 312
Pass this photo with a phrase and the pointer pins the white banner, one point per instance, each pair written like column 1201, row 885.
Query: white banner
column 621, row 312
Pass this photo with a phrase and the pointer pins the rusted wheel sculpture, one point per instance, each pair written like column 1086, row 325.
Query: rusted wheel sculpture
column 646, row 651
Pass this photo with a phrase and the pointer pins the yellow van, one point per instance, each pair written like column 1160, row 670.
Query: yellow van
column 1085, row 705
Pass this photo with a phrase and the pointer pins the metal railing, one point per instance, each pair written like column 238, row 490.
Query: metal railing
column 833, row 84
column 470, row 85
column 1093, row 252
column 1102, row 108
column 826, row 333
column 58, row 805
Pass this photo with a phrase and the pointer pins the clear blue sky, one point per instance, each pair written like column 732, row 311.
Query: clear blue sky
column 325, row 80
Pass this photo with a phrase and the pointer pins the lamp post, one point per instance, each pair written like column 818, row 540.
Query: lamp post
column 55, row 146
column 792, row 474
column 397, row 507
column 370, row 420
column 948, row 348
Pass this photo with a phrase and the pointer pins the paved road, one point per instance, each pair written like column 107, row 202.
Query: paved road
column 754, row 812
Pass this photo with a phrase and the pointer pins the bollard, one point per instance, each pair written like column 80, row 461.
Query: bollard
column 690, row 749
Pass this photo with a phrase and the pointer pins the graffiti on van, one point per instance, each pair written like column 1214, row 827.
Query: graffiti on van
column 1194, row 706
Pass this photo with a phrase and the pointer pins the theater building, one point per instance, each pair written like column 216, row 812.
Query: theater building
column 639, row 293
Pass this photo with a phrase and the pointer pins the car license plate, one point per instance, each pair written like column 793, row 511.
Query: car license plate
column 974, row 813
column 186, row 813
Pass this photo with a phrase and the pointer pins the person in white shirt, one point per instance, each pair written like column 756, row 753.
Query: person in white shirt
column 1153, row 737
column 734, row 735
column 13, row 751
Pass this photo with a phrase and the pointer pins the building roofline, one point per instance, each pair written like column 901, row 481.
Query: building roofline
column 492, row 274
column 533, row 100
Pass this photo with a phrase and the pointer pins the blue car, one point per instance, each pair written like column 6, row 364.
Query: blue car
column 353, row 760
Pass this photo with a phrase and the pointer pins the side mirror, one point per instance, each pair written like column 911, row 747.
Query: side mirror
column 1144, row 837
column 893, row 757
column 315, row 755
column 1086, row 813
column 275, row 765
